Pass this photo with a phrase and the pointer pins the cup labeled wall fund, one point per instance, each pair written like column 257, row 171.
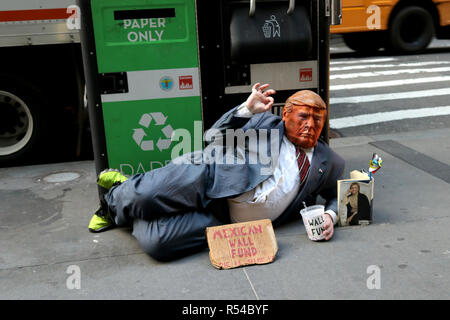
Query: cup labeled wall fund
column 313, row 220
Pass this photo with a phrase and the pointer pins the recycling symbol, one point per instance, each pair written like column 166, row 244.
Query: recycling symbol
column 149, row 145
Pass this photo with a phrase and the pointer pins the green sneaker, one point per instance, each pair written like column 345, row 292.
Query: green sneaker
column 101, row 221
column 110, row 177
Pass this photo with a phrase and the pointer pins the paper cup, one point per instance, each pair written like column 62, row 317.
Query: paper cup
column 313, row 220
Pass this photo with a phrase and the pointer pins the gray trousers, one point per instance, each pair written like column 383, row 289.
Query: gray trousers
column 168, row 209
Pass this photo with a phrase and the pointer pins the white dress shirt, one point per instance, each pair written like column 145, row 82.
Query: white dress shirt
column 272, row 196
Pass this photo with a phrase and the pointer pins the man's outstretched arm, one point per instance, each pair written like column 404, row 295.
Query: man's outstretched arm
column 258, row 101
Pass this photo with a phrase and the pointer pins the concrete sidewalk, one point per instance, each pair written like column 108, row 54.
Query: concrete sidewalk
column 43, row 224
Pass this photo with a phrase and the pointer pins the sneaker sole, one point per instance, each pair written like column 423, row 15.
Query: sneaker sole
column 101, row 229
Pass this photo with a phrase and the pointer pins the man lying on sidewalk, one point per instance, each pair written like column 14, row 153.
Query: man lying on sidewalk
column 169, row 208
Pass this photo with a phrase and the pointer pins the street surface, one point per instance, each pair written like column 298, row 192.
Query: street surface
column 48, row 252
column 383, row 93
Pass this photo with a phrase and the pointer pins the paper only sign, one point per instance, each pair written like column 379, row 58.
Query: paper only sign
column 240, row 244
column 145, row 30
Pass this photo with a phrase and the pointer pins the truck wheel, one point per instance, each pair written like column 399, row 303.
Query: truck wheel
column 364, row 42
column 21, row 125
column 411, row 30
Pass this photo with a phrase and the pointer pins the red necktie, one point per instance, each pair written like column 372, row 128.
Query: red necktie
column 303, row 164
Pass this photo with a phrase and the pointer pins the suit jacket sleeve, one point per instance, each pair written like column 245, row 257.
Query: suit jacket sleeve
column 230, row 121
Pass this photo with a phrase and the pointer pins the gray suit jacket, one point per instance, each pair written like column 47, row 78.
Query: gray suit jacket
column 228, row 180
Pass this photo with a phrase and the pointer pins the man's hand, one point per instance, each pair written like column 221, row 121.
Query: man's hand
column 328, row 226
column 260, row 99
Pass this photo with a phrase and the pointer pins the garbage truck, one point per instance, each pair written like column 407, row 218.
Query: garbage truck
column 42, row 109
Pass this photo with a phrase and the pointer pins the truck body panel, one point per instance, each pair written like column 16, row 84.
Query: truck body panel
column 40, row 22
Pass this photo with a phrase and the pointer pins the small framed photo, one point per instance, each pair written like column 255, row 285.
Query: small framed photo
column 355, row 199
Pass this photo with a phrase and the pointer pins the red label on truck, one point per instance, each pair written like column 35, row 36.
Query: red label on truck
column 34, row 14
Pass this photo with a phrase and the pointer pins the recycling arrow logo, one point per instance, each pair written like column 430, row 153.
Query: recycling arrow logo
column 145, row 121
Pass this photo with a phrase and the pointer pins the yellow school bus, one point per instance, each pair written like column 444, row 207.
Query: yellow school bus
column 399, row 25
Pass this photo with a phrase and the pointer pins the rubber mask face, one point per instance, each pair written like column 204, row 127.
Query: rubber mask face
column 303, row 125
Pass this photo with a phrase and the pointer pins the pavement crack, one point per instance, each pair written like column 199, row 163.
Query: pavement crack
column 69, row 261
column 251, row 284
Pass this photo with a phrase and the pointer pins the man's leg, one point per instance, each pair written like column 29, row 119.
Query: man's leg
column 168, row 238
column 171, row 190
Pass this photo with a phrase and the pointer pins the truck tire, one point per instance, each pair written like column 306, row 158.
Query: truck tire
column 22, row 125
column 364, row 42
column 411, row 30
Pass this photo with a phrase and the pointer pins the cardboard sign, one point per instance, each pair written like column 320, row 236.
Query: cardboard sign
column 241, row 244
